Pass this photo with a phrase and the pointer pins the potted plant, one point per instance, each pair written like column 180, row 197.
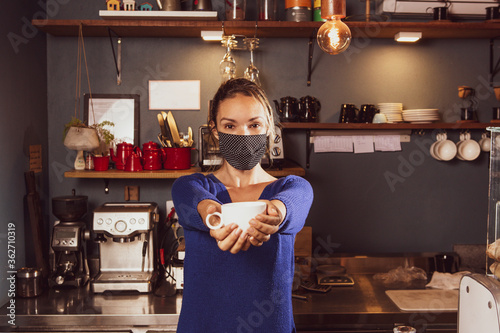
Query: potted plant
column 94, row 138
column 106, row 138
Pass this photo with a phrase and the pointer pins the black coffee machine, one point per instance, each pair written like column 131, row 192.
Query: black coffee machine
column 69, row 267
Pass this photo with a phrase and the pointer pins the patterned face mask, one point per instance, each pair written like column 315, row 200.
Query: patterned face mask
column 242, row 152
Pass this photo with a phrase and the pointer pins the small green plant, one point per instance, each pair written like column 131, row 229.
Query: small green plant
column 75, row 122
column 105, row 137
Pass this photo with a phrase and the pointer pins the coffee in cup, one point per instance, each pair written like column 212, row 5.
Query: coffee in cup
column 237, row 212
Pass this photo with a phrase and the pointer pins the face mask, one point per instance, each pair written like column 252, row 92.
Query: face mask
column 242, row 152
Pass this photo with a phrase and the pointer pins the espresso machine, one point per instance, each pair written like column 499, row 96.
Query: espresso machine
column 68, row 254
column 126, row 234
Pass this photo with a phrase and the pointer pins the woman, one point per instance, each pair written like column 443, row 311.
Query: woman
column 238, row 281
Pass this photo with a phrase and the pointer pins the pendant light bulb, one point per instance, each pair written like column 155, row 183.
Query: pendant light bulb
column 334, row 36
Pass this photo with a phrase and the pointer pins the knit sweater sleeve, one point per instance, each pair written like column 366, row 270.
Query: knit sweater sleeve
column 187, row 193
column 297, row 195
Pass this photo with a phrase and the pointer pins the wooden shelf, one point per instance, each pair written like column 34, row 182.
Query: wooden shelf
column 165, row 174
column 396, row 126
column 266, row 29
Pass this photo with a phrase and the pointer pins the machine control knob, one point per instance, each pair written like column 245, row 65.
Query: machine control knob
column 86, row 235
column 142, row 220
column 132, row 221
column 276, row 151
column 59, row 279
column 120, row 226
column 100, row 221
column 108, row 221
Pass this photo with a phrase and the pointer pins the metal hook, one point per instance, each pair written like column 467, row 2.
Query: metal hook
column 106, row 186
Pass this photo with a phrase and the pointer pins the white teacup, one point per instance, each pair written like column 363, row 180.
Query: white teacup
column 467, row 149
column 433, row 146
column 443, row 149
column 485, row 143
column 237, row 212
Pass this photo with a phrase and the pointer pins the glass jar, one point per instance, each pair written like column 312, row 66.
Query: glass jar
column 267, row 10
column 28, row 281
column 235, row 10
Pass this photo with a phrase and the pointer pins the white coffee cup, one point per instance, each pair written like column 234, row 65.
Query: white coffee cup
column 468, row 149
column 462, row 139
column 443, row 149
column 485, row 143
column 237, row 212
column 433, row 146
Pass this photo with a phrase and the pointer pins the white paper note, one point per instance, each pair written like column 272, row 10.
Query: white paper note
column 387, row 142
column 363, row 144
column 174, row 95
column 323, row 144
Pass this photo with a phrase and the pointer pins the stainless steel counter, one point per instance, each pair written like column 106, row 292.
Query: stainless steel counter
column 80, row 309
column 367, row 308
column 363, row 306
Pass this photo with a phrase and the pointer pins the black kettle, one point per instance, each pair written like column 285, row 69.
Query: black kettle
column 309, row 108
column 287, row 109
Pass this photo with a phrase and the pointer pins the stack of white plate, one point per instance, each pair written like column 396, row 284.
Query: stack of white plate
column 392, row 111
column 421, row 116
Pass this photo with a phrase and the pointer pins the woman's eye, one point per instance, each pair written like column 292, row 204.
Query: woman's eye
column 229, row 126
column 257, row 125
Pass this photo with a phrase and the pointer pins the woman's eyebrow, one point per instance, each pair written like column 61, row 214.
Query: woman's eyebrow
column 232, row 120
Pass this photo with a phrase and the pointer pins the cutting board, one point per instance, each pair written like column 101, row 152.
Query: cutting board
column 425, row 300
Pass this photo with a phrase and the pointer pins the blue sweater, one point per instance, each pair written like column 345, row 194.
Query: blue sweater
column 245, row 292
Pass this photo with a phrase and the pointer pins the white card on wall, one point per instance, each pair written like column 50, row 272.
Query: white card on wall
column 174, row 94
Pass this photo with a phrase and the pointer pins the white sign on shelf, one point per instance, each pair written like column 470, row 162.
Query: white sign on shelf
column 174, row 94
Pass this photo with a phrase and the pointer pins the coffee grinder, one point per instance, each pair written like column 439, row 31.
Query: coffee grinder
column 126, row 235
column 68, row 253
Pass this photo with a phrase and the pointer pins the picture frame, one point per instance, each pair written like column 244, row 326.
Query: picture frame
column 121, row 109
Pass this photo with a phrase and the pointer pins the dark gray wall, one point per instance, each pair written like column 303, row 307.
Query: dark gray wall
column 23, row 95
column 433, row 205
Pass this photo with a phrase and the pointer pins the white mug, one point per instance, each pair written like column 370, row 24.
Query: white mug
column 485, row 143
column 467, row 149
column 443, row 149
column 237, row 212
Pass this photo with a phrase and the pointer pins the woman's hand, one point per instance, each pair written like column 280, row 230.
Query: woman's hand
column 229, row 237
column 264, row 225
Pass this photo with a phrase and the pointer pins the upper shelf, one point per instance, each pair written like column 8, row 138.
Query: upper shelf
column 394, row 126
column 265, row 29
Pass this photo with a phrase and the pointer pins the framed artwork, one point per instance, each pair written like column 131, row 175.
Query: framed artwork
column 121, row 109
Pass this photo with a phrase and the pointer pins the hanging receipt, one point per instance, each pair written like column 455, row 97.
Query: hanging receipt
column 324, row 144
column 363, row 144
column 387, row 142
